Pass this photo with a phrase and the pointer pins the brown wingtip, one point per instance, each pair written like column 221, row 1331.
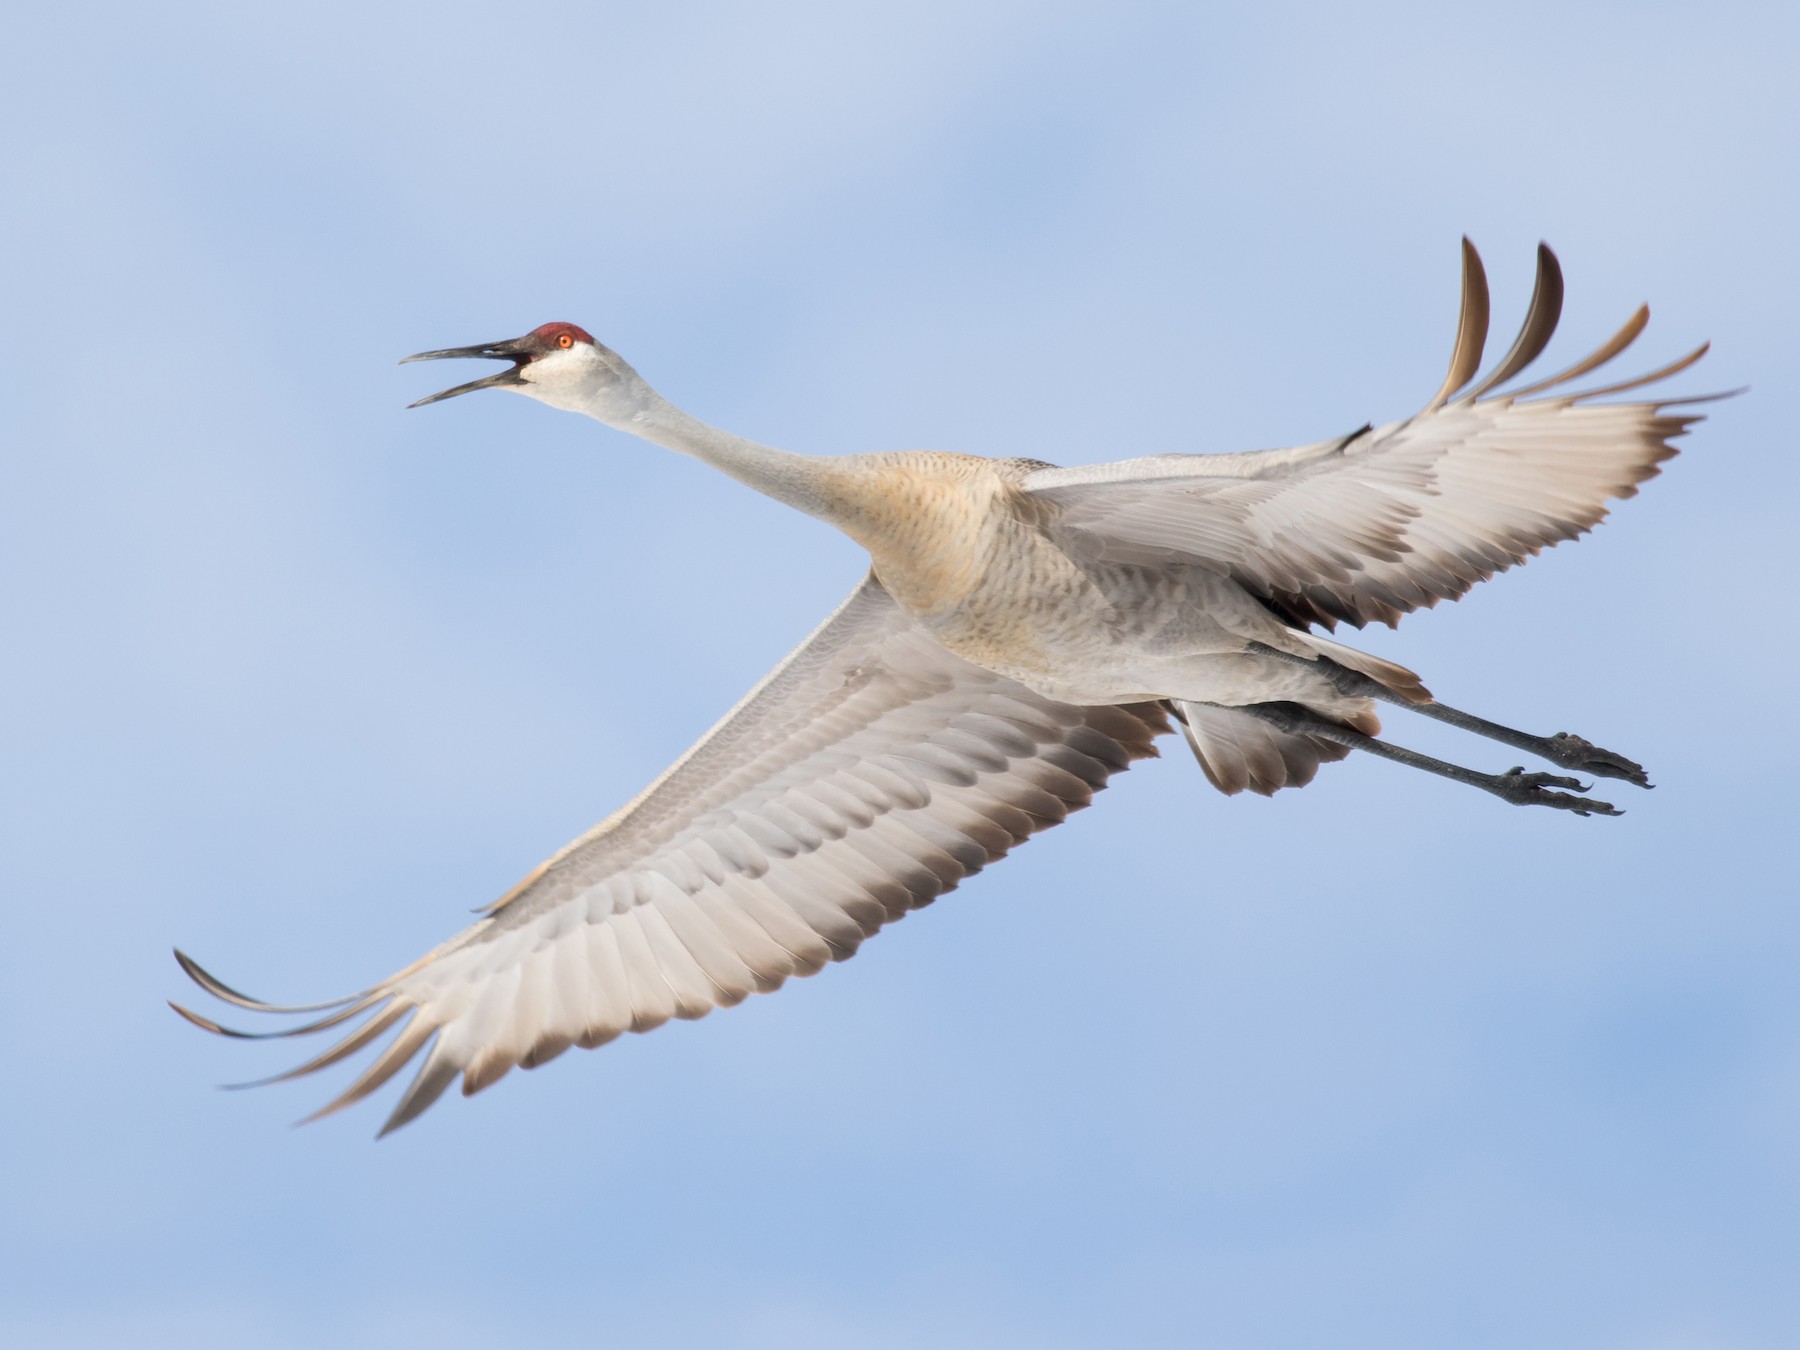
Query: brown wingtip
column 1617, row 343
column 204, row 1023
column 1674, row 367
column 398, row 1052
column 343, row 1049
column 214, row 986
column 226, row 994
column 1541, row 318
column 1471, row 327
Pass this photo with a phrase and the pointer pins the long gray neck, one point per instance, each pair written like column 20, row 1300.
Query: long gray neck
column 622, row 398
column 802, row 481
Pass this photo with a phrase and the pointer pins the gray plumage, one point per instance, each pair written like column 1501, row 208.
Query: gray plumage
column 1026, row 631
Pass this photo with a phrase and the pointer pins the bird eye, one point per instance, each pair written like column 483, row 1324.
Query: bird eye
column 565, row 341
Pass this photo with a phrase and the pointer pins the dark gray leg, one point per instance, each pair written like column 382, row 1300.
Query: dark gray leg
column 1570, row 751
column 1515, row 785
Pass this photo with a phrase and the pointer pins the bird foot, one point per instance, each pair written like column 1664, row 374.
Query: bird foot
column 1533, row 789
column 1572, row 752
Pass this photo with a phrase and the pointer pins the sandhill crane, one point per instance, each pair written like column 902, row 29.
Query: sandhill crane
column 1025, row 632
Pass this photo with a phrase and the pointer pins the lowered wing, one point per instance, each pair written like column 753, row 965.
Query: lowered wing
column 868, row 774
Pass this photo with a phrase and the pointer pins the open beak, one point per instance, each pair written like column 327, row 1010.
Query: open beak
column 513, row 350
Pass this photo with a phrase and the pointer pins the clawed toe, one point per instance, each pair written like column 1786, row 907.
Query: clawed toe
column 1574, row 752
column 1515, row 785
column 1518, row 775
column 1533, row 789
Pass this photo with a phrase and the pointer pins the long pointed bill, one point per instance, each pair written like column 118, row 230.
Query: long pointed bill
column 512, row 350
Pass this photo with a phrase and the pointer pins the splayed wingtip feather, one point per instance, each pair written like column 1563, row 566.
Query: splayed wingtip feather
column 343, row 1049
column 1471, row 328
column 1606, row 351
column 1674, row 367
column 225, row 993
column 1541, row 318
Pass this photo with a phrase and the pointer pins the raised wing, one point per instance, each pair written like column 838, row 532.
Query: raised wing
column 1386, row 520
column 867, row 775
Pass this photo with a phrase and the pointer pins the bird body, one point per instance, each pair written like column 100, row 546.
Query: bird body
column 1024, row 632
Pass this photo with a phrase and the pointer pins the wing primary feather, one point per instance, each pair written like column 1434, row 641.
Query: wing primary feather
column 207, row 1024
column 355, row 1041
column 1605, row 352
column 1471, row 328
column 336, row 1018
column 1662, row 373
column 399, row 1050
column 1686, row 399
column 225, row 993
column 435, row 1074
column 1540, row 323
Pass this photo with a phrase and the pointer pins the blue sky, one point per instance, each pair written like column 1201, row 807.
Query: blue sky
column 296, row 678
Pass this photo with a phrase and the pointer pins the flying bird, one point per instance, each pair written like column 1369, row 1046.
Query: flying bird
column 1024, row 633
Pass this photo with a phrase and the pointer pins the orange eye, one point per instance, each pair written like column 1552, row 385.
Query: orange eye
column 565, row 341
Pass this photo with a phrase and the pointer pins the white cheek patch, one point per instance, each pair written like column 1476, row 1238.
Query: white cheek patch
column 548, row 375
column 586, row 379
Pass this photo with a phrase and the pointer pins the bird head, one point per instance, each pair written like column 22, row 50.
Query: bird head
column 557, row 363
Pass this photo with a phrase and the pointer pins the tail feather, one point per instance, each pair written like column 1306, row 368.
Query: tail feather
column 1238, row 751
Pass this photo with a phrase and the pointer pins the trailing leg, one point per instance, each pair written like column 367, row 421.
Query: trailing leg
column 1515, row 785
column 1565, row 749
